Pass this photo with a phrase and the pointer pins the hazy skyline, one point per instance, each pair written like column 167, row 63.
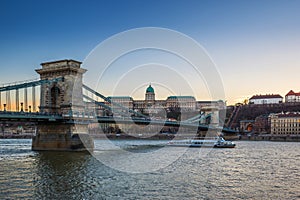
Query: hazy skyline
column 255, row 44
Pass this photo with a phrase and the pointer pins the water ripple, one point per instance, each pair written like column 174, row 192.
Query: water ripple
column 253, row 170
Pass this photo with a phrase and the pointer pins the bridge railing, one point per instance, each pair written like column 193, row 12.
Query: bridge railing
column 17, row 96
column 18, row 82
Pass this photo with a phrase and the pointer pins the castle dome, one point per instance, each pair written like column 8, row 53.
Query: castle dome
column 150, row 89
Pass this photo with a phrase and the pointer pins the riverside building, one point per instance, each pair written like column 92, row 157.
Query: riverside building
column 285, row 123
column 292, row 96
column 266, row 99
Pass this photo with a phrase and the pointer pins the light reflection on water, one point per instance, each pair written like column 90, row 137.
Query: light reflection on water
column 253, row 170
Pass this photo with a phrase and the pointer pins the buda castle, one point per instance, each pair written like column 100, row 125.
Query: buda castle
column 173, row 103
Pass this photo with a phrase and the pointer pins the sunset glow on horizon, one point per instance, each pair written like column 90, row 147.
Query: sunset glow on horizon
column 255, row 45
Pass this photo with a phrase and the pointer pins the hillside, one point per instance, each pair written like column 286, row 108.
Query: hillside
column 251, row 111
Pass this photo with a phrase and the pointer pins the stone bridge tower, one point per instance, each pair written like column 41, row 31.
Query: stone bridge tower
column 59, row 98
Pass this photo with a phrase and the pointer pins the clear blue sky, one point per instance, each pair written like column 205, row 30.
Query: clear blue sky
column 255, row 44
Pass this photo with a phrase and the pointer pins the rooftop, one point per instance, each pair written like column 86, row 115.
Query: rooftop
column 289, row 114
column 180, row 97
column 60, row 63
column 150, row 89
column 266, row 96
column 291, row 92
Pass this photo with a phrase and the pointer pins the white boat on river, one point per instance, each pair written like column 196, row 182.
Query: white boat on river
column 216, row 142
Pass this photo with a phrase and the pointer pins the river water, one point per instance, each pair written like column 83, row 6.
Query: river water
column 252, row 170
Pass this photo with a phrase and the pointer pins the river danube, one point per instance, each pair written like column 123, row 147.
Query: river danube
column 252, row 170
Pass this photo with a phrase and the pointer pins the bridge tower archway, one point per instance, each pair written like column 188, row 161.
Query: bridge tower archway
column 55, row 98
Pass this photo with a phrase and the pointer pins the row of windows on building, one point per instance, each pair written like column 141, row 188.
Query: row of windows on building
column 275, row 123
column 284, row 131
column 285, row 123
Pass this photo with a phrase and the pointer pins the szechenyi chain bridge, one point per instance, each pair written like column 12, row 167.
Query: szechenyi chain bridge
column 67, row 107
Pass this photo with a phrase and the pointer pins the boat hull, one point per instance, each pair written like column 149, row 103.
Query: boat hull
column 202, row 146
column 196, row 143
column 225, row 146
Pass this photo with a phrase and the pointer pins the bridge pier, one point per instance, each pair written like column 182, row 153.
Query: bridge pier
column 62, row 137
column 62, row 98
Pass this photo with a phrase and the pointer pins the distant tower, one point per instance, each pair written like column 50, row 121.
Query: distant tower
column 149, row 100
column 150, row 95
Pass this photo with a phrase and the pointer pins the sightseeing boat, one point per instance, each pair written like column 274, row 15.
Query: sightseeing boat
column 217, row 142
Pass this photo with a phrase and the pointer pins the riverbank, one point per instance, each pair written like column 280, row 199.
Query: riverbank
column 134, row 137
column 269, row 137
column 16, row 136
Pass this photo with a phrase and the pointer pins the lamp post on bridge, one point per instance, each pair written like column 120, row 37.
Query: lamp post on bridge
column 22, row 107
column 2, row 129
